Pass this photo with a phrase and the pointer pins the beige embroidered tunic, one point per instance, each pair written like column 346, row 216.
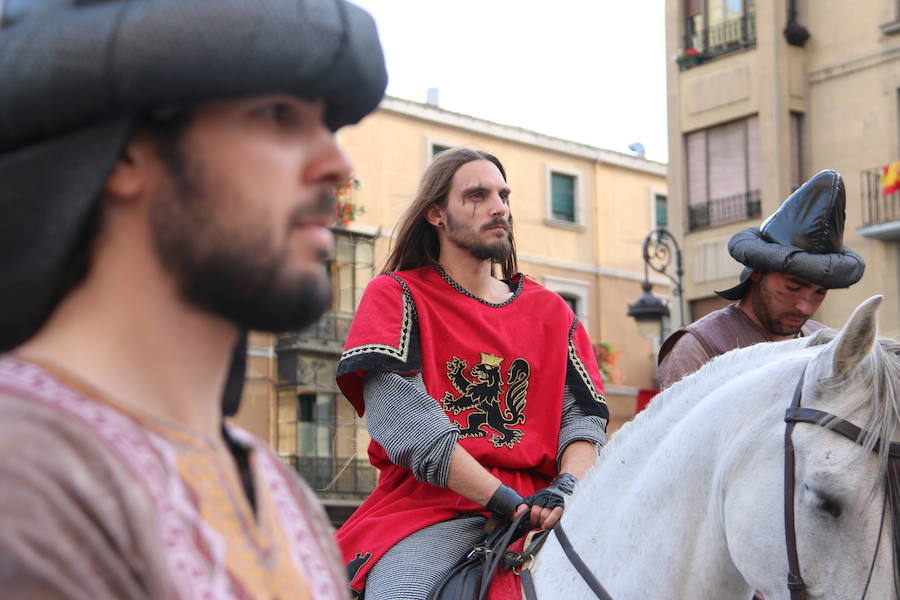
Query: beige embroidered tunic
column 99, row 504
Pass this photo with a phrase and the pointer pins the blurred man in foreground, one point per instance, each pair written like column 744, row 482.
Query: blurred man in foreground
column 166, row 177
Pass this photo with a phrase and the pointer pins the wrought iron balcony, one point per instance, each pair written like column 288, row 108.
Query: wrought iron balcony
column 336, row 478
column 880, row 211
column 725, row 210
column 720, row 38
column 328, row 334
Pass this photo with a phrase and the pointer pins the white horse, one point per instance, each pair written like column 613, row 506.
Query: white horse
column 687, row 500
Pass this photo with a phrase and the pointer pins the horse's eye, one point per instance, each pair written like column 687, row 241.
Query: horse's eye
column 825, row 504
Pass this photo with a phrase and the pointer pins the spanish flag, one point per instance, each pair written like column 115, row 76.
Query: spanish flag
column 890, row 178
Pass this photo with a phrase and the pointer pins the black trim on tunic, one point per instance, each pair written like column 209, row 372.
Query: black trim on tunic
column 577, row 378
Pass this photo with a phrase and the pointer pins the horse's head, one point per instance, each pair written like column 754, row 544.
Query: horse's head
column 842, row 513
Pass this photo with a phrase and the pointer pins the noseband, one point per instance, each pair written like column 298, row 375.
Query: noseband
column 797, row 414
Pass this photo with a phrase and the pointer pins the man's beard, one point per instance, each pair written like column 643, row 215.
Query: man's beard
column 467, row 239
column 234, row 271
column 771, row 322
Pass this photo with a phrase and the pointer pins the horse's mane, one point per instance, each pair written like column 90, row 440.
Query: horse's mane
column 718, row 371
column 878, row 378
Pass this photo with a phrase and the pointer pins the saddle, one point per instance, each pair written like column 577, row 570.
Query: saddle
column 471, row 578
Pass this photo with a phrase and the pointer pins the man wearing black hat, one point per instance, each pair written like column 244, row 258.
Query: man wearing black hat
column 166, row 180
column 791, row 262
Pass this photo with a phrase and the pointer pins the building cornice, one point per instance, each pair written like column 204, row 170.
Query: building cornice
column 592, row 269
column 434, row 114
column 854, row 64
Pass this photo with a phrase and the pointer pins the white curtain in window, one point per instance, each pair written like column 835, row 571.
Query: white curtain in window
column 727, row 160
column 696, row 167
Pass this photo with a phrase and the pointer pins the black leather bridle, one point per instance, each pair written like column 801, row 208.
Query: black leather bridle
column 797, row 414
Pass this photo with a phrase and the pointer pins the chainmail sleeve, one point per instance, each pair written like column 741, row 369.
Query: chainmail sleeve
column 410, row 425
column 578, row 425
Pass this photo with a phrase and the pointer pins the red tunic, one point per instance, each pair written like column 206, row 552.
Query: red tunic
column 498, row 370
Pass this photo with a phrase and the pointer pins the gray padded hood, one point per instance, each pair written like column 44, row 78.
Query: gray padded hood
column 74, row 73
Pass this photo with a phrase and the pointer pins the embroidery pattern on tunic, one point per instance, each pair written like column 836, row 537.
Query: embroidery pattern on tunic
column 401, row 352
column 580, row 368
column 196, row 553
column 307, row 554
column 191, row 575
column 450, row 281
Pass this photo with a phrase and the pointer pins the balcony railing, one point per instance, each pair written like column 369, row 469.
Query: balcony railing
column 336, row 477
column 719, row 38
column 328, row 334
column 878, row 208
column 725, row 210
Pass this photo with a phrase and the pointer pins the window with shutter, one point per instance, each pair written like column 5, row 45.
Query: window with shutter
column 723, row 173
column 662, row 210
column 562, row 191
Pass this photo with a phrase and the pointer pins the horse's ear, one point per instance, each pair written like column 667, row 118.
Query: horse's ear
column 854, row 342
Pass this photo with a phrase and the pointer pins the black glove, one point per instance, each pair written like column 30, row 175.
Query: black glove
column 555, row 494
column 504, row 502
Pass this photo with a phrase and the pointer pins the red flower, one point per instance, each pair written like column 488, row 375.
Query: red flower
column 691, row 52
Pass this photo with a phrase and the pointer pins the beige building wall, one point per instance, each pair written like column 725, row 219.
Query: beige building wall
column 844, row 82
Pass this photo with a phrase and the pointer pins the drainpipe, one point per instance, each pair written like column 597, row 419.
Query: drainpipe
column 795, row 33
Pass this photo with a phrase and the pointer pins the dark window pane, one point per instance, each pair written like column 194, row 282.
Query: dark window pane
column 571, row 301
column 562, row 189
column 662, row 211
column 437, row 149
column 306, row 408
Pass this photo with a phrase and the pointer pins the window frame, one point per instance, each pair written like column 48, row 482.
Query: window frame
column 578, row 209
column 431, row 142
column 751, row 195
column 654, row 193
column 354, row 238
column 574, row 288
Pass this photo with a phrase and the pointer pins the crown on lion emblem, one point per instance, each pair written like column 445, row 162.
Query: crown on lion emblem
column 491, row 359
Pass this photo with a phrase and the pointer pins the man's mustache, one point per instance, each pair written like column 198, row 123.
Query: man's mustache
column 498, row 222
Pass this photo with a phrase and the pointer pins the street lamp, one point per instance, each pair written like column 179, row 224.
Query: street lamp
column 658, row 251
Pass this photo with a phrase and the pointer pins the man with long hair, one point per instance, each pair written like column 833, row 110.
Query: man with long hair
column 477, row 390
column 167, row 174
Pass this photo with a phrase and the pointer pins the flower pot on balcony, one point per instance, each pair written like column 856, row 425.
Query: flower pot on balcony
column 346, row 208
column 689, row 58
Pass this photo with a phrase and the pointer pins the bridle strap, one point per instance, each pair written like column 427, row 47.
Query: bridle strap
column 795, row 583
column 877, row 544
column 798, row 414
column 847, row 429
column 579, row 565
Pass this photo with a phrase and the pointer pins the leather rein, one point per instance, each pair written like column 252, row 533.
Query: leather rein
column 523, row 569
column 797, row 414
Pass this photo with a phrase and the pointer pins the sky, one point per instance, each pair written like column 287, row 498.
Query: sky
column 591, row 71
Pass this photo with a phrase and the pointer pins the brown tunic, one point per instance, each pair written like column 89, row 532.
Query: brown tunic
column 691, row 347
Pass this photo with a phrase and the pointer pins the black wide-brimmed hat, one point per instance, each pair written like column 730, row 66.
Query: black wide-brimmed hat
column 804, row 237
column 74, row 75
